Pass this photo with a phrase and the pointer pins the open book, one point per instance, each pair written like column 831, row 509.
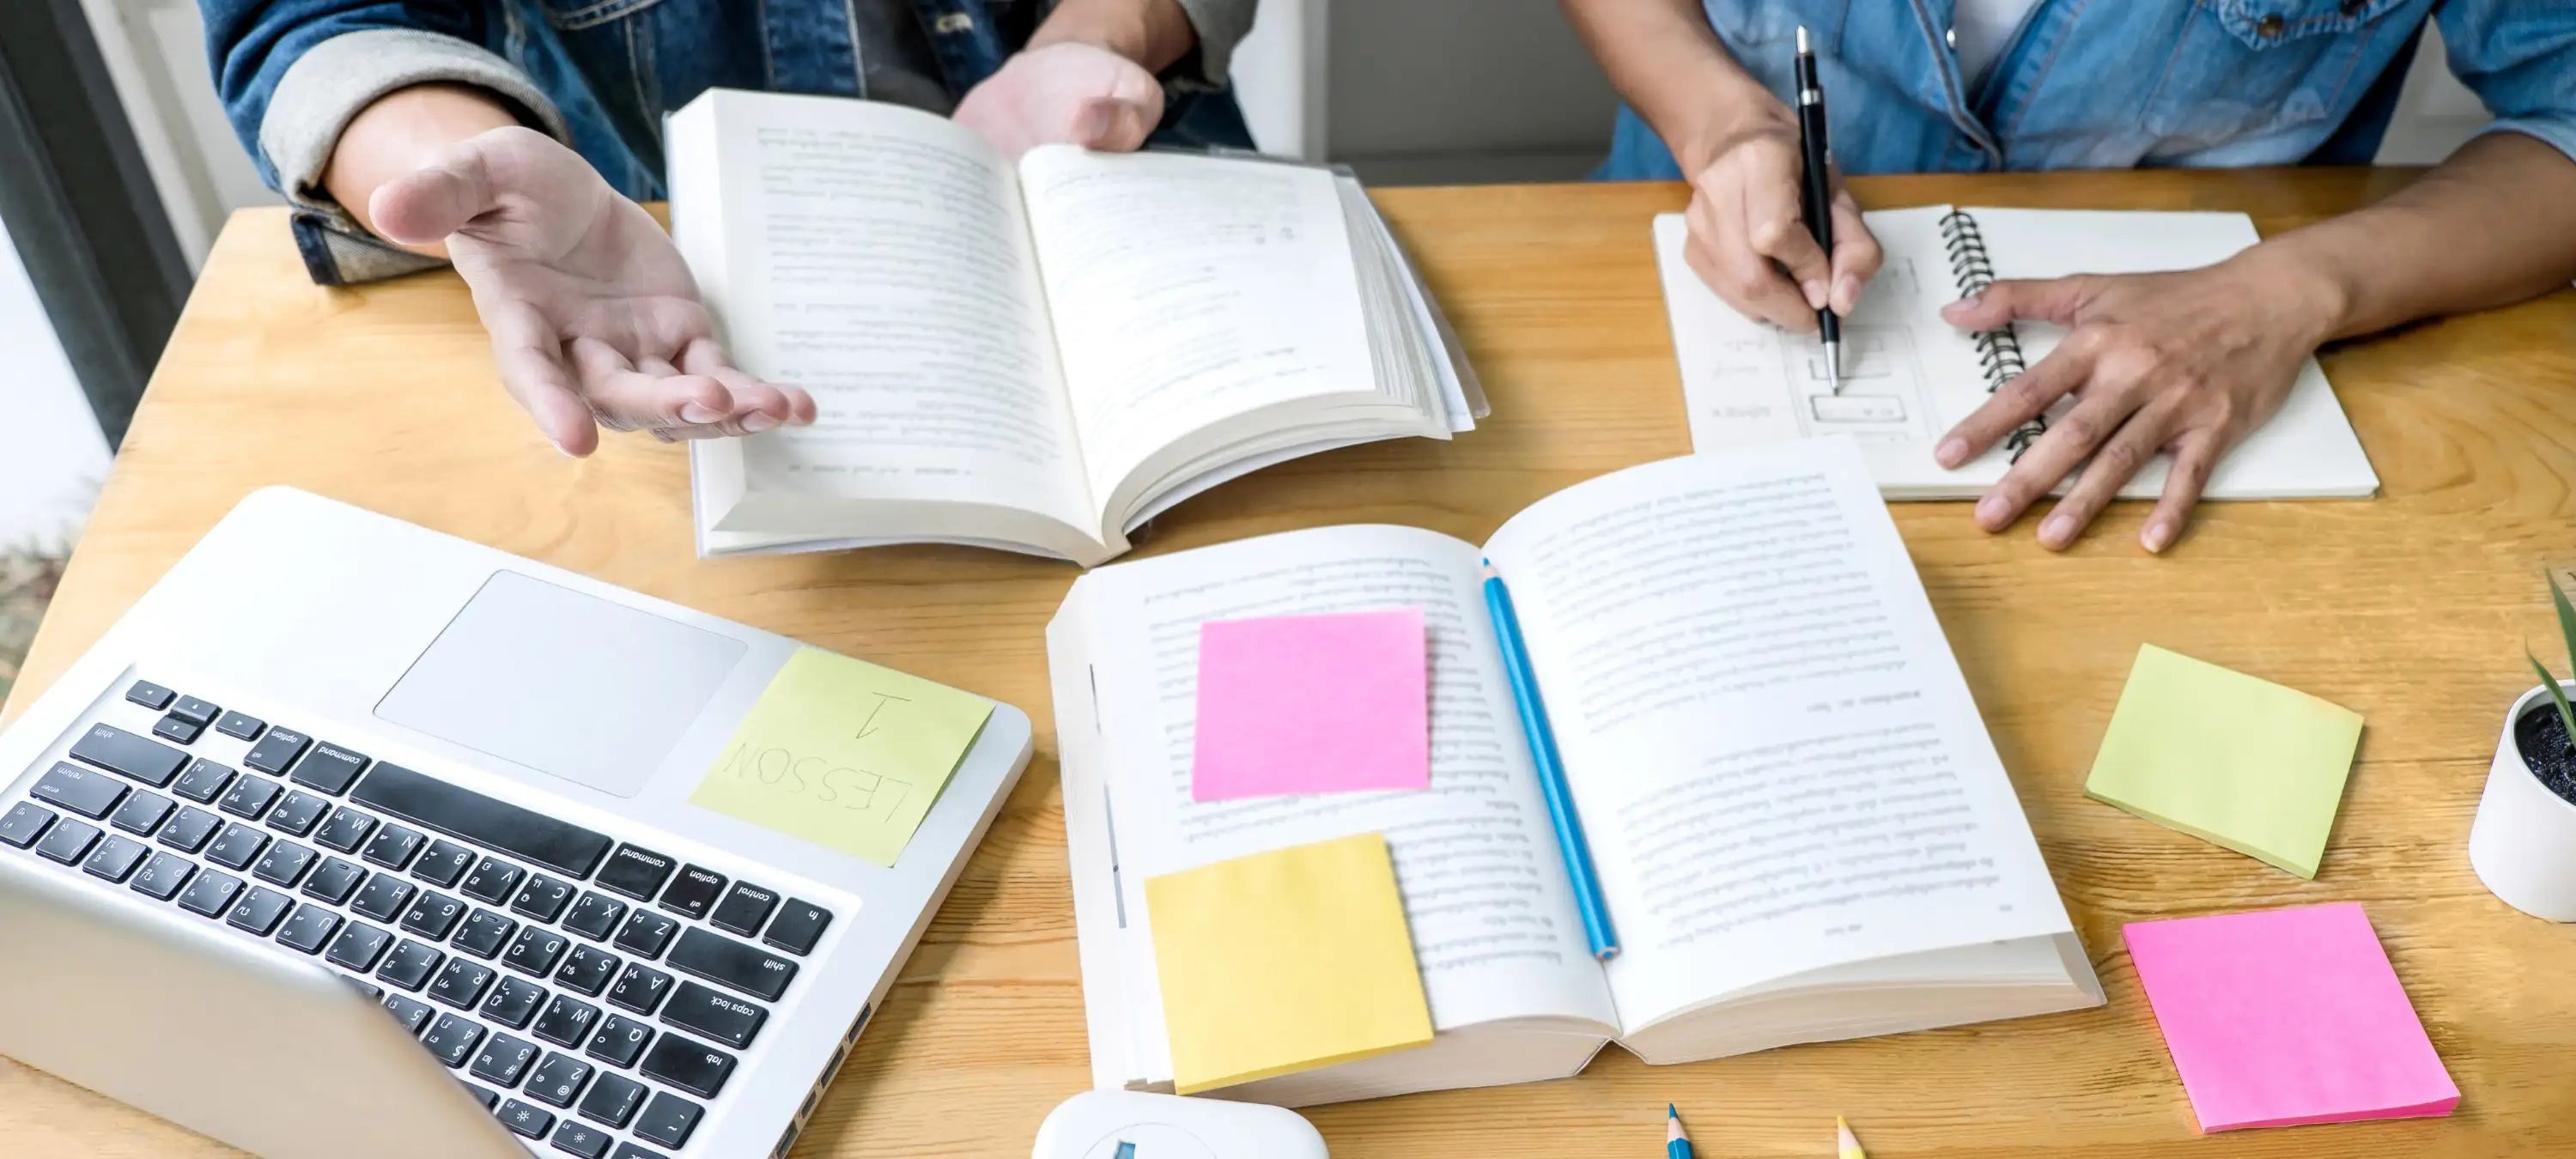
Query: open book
column 1908, row 376
column 1801, row 827
column 1035, row 357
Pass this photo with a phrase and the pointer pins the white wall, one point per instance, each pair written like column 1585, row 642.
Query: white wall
column 54, row 458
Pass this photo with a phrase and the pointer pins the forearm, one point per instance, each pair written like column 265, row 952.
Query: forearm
column 2494, row 224
column 399, row 134
column 1153, row 33
column 1668, row 64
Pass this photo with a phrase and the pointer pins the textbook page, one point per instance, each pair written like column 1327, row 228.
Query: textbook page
column 1775, row 757
column 876, row 256
column 1493, row 922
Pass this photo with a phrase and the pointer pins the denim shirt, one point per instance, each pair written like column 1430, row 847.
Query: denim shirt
column 2113, row 84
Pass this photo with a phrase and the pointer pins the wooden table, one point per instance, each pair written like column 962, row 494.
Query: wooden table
column 2412, row 609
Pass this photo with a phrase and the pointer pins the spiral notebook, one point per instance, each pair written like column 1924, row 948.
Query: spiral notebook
column 1909, row 376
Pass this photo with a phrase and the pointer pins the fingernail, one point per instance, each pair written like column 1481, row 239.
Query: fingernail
column 1990, row 510
column 1815, row 290
column 700, row 413
column 2159, row 536
column 1847, row 292
column 2057, row 530
column 1951, row 452
column 756, row 422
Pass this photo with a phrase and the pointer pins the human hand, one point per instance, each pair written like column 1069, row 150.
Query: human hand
column 1748, row 238
column 1067, row 92
column 594, row 319
column 2187, row 362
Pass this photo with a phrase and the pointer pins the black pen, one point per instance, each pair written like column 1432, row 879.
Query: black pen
column 1816, row 199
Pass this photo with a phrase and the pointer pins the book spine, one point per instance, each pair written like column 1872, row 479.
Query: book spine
column 1999, row 349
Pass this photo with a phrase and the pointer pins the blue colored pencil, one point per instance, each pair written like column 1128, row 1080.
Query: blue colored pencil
column 1551, row 769
column 1676, row 1144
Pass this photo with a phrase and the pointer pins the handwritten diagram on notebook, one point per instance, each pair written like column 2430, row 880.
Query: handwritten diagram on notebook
column 1909, row 376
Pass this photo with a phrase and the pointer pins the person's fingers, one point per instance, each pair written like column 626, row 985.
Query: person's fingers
column 531, row 362
column 2104, row 474
column 1112, row 125
column 625, row 397
column 2056, row 300
column 434, row 201
column 790, row 405
column 2019, row 400
column 1743, row 279
column 2055, row 456
column 1856, row 253
column 1776, row 228
column 2195, row 453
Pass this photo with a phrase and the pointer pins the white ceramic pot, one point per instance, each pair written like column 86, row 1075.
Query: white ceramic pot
column 2523, row 843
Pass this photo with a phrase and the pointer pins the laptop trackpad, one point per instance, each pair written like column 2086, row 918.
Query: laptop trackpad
column 565, row 683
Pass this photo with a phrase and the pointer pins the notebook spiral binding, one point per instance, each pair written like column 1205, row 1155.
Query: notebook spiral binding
column 1998, row 349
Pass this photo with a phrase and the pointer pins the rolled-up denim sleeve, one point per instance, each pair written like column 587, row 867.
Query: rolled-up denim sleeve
column 2519, row 56
column 293, row 73
column 1220, row 24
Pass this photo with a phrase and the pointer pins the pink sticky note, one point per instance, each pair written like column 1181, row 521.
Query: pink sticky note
column 2288, row 1016
column 1312, row 704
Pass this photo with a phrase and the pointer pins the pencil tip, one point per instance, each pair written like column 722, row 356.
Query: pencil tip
column 1670, row 1113
column 1802, row 38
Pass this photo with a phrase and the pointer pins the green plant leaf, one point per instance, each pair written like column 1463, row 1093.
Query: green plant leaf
column 2566, row 617
column 2566, row 712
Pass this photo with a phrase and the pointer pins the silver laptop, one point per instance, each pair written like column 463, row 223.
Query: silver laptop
column 356, row 839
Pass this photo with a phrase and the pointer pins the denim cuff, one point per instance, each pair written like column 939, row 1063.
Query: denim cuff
column 2556, row 130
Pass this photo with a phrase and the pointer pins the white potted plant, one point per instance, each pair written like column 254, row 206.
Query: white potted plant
column 2523, row 843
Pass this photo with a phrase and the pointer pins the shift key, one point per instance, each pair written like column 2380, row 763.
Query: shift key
column 119, row 751
column 722, row 960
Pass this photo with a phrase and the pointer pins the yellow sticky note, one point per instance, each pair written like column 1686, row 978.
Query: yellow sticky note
column 1285, row 961
column 844, row 754
column 2235, row 761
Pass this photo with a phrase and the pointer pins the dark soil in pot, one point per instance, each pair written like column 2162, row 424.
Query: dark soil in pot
column 2542, row 737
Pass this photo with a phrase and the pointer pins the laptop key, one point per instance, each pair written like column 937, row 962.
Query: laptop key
column 724, row 961
column 536, row 952
column 392, row 846
column 237, row 847
column 558, row 1080
column 259, row 911
column 484, row 933
column 646, row 933
column 383, row 898
column 567, row 1021
column 142, row 813
column 371, row 990
column 640, row 989
column 582, row 1139
column 433, row 915
column 668, row 1120
column 204, row 781
column 240, row 725
column 444, row 864
column 504, row 1060
column 310, row 929
column 25, row 822
column 689, row 1065
column 595, row 916
column 195, row 711
column 83, row 791
column 694, row 892
column 524, row 1119
column 497, row 825
column 491, row 1101
column 461, row 984
column 329, row 768
column 128, row 755
column 543, row 898
column 345, row 831
column 359, row 946
column 175, row 728
column 298, row 813
column 620, row 1041
column 277, row 750
column 190, row 831
column 334, row 881
column 631, row 1151
column 149, row 695
column 211, row 894
column 492, row 881
column 284, row 864
column 249, row 797
column 743, row 910
column 613, row 1100
column 164, row 876
column 514, row 1002
column 68, row 842
column 410, row 964
column 722, row 1017
column 413, row 1013
column 636, row 872
column 116, row 858
column 588, row 969
column 453, row 1039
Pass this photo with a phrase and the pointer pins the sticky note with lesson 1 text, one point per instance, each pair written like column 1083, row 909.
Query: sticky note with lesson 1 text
column 2236, row 761
column 2288, row 1016
column 843, row 753
column 1312, row 704
column 1284, row 961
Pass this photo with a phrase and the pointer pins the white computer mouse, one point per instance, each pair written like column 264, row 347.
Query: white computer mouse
column 1133, row 1125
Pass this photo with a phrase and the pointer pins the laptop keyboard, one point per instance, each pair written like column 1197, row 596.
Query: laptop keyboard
column 590, row 992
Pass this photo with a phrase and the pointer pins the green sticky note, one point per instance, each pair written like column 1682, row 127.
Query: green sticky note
column 844, row 754
column 2235, row 761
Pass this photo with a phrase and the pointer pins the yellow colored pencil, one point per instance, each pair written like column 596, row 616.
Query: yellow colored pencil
column 1847, row 1146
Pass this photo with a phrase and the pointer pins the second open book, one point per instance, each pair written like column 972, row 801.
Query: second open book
column 1801, row 827
column 1036, row 356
